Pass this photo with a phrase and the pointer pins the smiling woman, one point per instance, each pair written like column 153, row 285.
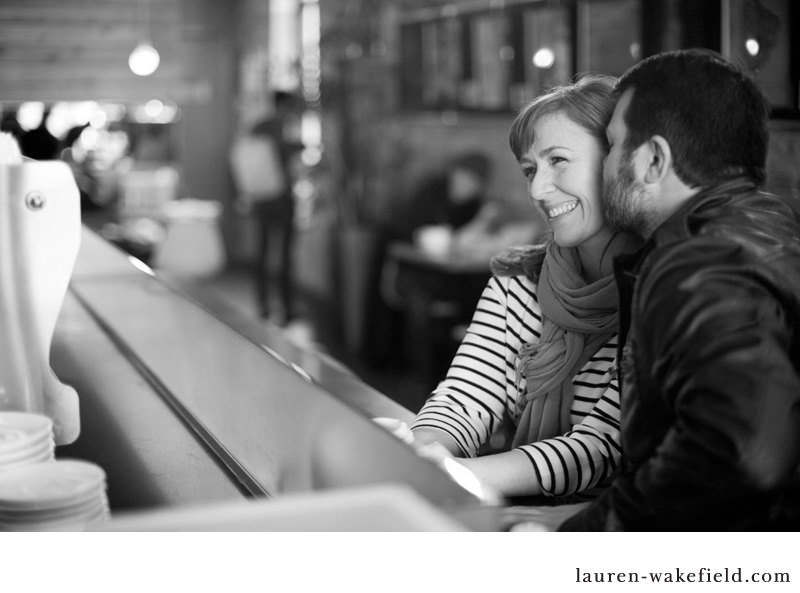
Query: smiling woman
column 539, row 359
column 564, row 171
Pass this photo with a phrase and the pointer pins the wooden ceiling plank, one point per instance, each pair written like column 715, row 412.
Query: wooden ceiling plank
column 46, row 33
column 67, row 15
column 118, row 70
column 78, row 50
column 64, row 8
column 179, row 91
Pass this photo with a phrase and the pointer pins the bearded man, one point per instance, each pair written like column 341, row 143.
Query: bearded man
column 710, row 307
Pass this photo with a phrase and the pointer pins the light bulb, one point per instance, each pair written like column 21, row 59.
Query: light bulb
column 544, row 58
column 144, row 59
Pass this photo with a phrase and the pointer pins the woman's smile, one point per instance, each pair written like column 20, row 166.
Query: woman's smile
column 561, row 209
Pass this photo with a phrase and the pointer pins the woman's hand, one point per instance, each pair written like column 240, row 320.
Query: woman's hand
column 505, row 473
column 508, row 474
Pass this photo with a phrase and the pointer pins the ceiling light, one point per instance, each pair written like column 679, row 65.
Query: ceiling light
column 144, row 59
column 544, row 58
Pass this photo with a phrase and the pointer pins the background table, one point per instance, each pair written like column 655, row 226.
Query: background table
column 439, row 293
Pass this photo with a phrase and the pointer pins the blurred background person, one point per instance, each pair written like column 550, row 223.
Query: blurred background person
column 262, row 166
column 39, row 143
column 82, row 168
column 450, row 213
column 450, row 197
column 11, row 125
column 498, row 224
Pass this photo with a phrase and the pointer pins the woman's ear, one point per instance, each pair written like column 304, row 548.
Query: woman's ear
column 659, row 159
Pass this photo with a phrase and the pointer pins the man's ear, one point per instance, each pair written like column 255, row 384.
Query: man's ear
column 659, row 159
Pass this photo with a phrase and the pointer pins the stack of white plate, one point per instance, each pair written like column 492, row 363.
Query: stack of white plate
column 63, row 495
column 25, row 438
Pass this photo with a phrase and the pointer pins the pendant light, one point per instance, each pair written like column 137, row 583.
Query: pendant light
column 144, row 58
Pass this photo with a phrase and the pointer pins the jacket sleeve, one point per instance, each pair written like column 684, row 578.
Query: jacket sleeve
column 713, row 367
column 471, row 402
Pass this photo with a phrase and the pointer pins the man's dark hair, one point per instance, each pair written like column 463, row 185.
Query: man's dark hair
column 713, row 115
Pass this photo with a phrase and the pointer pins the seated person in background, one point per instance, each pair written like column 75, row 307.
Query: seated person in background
column 452, row 197
column 441, row 203
column 539, row 357
column 497, row 226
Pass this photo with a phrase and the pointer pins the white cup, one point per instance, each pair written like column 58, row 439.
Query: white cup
column 434, row 239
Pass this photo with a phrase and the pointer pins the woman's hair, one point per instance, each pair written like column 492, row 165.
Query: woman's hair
column 588, row 102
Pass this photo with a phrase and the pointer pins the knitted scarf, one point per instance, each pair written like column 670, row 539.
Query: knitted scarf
column 577, row 319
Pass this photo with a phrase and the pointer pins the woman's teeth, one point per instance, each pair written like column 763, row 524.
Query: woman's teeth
column 563, row 209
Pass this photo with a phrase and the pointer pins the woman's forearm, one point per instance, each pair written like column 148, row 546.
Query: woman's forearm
column 508, row 473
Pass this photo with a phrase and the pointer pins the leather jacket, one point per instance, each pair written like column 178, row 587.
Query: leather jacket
column 710, row 371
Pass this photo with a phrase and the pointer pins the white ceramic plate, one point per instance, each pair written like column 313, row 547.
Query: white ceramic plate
column 50, row 484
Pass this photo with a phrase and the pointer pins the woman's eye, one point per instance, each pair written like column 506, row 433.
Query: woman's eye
column 557, row 159
column 529, row 172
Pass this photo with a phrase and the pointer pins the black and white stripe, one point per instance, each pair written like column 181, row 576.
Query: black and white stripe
column 483, row 384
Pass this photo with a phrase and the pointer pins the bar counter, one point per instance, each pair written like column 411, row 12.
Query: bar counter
column 182, row 409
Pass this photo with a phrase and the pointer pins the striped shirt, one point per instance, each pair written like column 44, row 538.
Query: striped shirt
column 484, row 382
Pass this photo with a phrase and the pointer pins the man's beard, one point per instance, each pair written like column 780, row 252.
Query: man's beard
column 625, row 204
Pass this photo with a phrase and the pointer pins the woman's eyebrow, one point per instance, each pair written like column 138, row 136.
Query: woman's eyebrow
column 549, row 149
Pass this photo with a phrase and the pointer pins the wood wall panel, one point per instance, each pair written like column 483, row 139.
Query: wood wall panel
column 78, row 50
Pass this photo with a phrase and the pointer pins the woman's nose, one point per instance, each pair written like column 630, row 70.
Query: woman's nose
column 540, row 186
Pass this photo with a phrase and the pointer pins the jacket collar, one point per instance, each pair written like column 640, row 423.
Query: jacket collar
column 677, row 227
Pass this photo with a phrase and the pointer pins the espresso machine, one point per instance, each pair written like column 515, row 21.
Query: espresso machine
column 40, row 230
